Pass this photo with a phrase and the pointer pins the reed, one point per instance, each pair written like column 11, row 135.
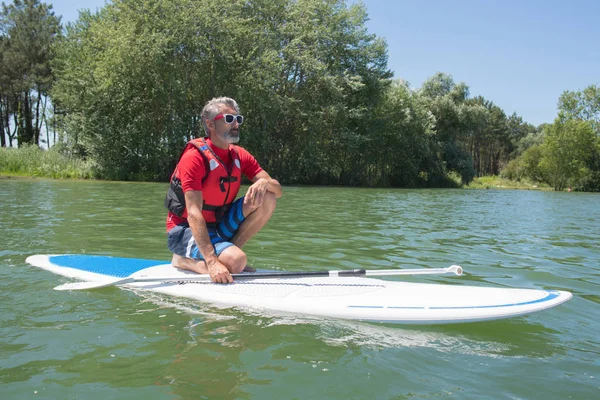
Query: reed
column 36, row 162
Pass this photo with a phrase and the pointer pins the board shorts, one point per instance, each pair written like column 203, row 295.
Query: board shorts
column 181, row 241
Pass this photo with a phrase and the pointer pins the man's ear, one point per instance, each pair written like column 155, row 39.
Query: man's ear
column 210, row 124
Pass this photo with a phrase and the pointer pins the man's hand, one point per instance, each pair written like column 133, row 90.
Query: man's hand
column 256, row 193
column 218, row 272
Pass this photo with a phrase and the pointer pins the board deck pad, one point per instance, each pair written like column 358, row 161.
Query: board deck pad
column 356, row 298
column 111, row 266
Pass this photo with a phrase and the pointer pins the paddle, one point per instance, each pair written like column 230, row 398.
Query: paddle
column 454, row 269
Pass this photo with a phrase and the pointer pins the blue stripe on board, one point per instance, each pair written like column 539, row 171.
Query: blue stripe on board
column 550, row 296
column 111, row 266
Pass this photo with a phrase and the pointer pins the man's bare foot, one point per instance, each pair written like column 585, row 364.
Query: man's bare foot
column 189, row 264
column 175, row 260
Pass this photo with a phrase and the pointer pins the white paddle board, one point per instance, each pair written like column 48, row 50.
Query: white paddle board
column 355, row 298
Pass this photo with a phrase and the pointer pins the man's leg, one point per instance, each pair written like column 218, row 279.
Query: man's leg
column 187, row 256
column 233, row 257
column 256, row 219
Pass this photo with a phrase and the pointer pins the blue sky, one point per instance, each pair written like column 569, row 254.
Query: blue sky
column 519, row 54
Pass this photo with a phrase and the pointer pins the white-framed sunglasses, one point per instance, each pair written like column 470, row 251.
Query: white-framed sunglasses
column 229, row 118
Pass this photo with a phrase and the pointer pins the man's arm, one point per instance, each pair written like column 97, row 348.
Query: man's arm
column 218, row 272
column 262, row 183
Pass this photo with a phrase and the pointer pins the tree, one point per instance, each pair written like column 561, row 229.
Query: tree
column 447, row 102
column 401, row 149
column 134, row 77
column 28, row 30
column 492, row 144
column 584, row 105
column 568, row 147
column 518, row 130
column 4, row 90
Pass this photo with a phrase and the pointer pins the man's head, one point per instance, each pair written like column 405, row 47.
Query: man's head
column 221, row 120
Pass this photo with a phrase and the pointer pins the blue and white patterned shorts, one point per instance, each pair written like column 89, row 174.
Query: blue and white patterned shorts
column 181, row 241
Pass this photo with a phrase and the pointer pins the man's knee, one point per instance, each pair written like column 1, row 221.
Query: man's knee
column 234, row 259
column 269, row 203
column 266, row 208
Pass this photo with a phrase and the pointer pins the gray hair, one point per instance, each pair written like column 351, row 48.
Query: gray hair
column 213, row 107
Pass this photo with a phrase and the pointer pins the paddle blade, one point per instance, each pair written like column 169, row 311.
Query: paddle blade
column 91, row 285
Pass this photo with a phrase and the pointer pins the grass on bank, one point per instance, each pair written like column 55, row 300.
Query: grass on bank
column 496, row 182
column 52, row 163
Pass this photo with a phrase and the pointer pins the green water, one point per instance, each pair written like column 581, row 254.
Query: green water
column 117, row 344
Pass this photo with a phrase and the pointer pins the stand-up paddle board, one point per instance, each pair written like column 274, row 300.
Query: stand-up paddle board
column 333, row 296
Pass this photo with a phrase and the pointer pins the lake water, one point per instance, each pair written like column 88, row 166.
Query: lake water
column 116, row 344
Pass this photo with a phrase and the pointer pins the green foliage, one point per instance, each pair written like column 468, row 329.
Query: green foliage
column 589, row 181
column 569, row 145
column 30, row 160
column 563, row 154
column 533, row 137
column 530, row 163
column 455, row 120
column 476, row 137
column 28, row 30
column 583, row 105
column 526, row 166
column 398, row 149
column 320, row 103
column 135, row 77
column 513, row 171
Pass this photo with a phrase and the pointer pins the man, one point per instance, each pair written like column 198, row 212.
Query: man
column 206, row 226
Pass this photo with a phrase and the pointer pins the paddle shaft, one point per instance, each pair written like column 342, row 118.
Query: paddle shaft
column 258, row 275
column 304, row 274
column 455, row 269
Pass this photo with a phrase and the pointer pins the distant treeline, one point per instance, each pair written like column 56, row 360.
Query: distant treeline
column 123, row 89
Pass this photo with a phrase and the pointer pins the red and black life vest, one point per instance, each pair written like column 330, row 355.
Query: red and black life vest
column 220, row 184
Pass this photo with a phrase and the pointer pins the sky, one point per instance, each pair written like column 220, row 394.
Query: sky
column 521, row 55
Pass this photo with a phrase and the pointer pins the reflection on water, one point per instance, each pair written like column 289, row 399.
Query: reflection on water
column 515, row 337
column 115, row 343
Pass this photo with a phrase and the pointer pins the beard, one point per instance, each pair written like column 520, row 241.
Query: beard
column 231, row 138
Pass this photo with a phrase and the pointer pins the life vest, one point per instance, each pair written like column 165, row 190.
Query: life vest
column 220, row 184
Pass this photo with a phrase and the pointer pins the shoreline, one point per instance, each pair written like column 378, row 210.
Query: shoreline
column 481, row 183
column 495, row 182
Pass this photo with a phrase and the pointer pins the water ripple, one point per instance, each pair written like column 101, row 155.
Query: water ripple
column 126, row 344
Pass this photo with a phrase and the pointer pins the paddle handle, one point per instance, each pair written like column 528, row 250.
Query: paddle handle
column 453, row 269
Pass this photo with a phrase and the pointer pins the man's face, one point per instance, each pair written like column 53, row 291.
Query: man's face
column 224, row 132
